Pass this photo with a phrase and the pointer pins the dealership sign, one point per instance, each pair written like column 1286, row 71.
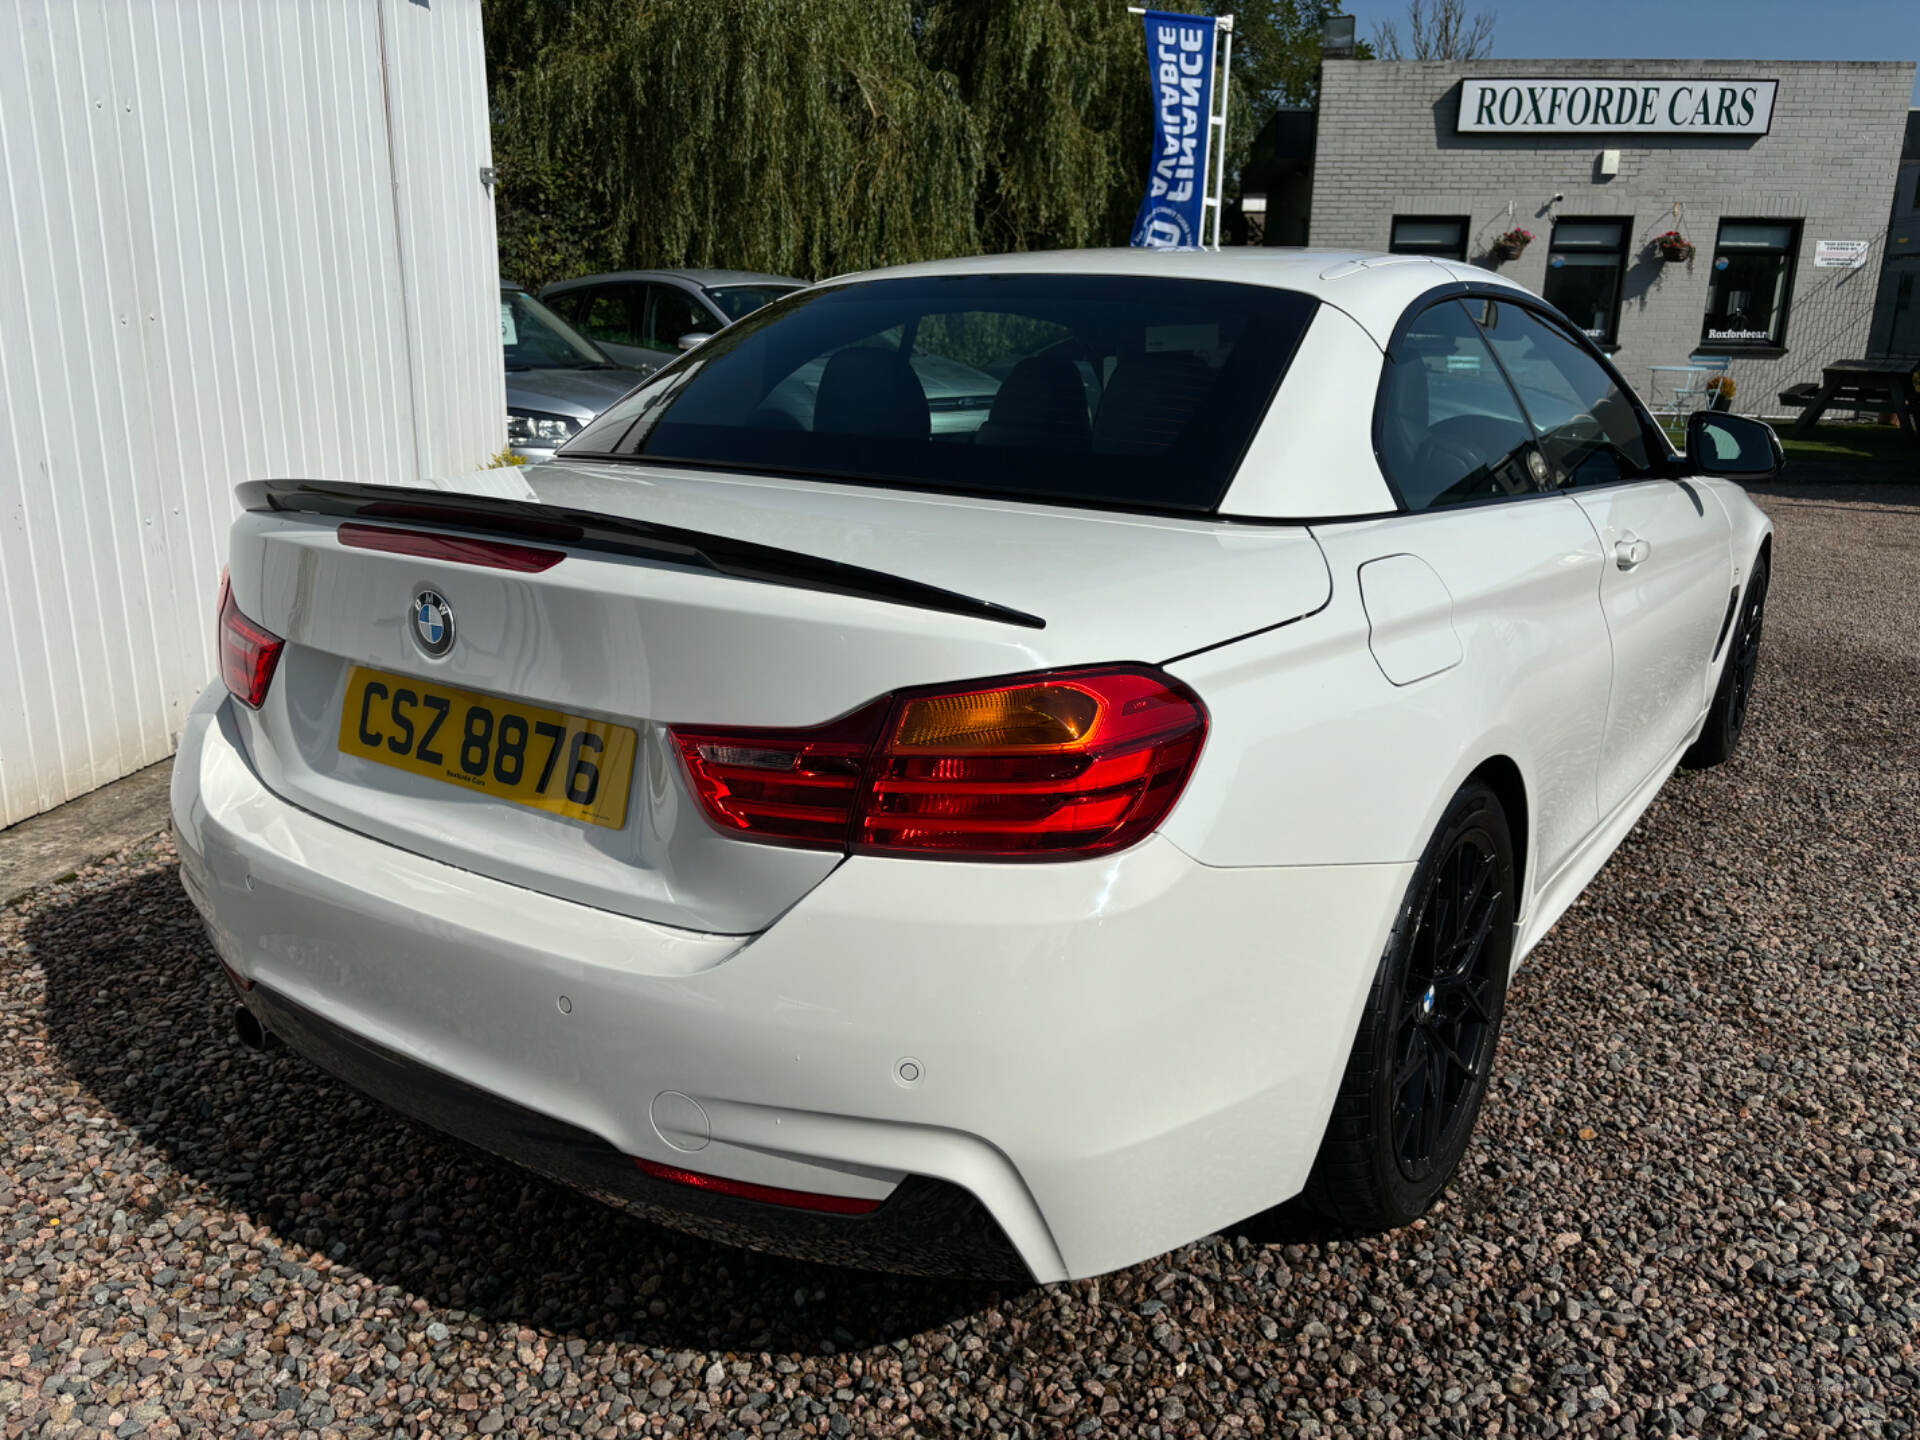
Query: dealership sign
column 1574, row 106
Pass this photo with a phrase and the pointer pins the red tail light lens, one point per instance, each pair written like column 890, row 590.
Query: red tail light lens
column 1050, row 766
column 1073, row 763
column 797, row 786
column 461, row 549
column 766, row 1194
column 248, row 653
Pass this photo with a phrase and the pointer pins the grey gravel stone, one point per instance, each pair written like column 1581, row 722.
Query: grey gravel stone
column 1690, row 1209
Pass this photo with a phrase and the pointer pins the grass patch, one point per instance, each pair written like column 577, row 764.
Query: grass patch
column 1879, row 446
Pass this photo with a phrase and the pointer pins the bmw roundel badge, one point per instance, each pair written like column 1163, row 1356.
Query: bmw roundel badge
column 433, row 623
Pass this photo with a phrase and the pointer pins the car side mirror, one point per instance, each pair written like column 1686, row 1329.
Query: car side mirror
column 694, row 339
column 1733, row 446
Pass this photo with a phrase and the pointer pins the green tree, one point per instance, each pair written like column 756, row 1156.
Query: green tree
column 813, row 137
column 804, row 137
column 1057, row 92
column 1276, row 62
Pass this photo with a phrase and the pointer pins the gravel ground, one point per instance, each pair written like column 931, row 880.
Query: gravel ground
column 1690, row 1208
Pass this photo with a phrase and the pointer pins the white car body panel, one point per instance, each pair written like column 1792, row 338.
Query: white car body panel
column 650, row 645
column 1386, row 758
column 1112, row 1055
column 1662, row 615
column 1409, row 618
column 1314, row 456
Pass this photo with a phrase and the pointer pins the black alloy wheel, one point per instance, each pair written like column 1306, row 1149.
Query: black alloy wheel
column 1424, row 1053
column 1745, row 658
column 1446, row 1016
column 1727, row 716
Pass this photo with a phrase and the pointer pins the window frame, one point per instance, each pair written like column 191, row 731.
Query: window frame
column 1611, row 341
column 575, row 299
column 609, row 290
column 696, row 302
column 1465, row 222
column 1777, row 345
column 1261, row 415
column 1662, row 454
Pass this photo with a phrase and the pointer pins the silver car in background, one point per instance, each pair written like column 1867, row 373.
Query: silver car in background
column 557, row 379
column 644, row 318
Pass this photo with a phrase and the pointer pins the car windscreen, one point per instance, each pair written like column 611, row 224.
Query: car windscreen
column 737, row 301
column 534, row 338
column 1122, row 390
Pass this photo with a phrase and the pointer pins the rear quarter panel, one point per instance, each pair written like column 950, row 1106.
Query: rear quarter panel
column 1316, row 757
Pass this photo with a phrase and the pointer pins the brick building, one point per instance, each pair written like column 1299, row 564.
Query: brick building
column 1779, row 173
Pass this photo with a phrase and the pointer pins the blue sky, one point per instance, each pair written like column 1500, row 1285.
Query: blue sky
column 1689, row 29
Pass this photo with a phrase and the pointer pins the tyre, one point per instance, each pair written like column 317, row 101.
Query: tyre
column 1424, row 1052
column 1727, row 716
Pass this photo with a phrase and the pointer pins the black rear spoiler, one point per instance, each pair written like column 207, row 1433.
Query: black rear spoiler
column 615, row 535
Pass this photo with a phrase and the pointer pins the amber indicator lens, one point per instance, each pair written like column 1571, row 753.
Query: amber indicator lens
column 1023, row 718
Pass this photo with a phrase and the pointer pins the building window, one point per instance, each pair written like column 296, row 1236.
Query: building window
column 1444, row 237
column 1750, row 286
column 1585, row 270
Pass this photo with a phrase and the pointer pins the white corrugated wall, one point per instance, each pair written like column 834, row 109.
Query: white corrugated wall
column 238, row 238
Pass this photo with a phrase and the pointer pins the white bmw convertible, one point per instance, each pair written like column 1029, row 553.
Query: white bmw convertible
column 1006, row 832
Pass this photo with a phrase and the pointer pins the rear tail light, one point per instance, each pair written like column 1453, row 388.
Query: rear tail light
column 1050, row 766
column 248, row 653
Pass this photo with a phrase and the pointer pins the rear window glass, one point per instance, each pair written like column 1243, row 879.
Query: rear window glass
column 1117, row 390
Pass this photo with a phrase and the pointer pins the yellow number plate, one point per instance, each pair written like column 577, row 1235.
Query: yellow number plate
column 547, row 759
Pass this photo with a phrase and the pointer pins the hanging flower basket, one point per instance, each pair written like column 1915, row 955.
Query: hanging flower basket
column 1673, row 246
column 1509, row 245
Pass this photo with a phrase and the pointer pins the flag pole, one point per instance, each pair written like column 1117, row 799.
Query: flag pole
column 1223, row 24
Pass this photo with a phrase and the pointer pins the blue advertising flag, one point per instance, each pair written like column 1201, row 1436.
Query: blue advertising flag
column 1180, row 74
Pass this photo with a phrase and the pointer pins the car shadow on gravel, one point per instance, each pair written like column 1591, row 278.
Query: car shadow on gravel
column 139, row 1015
column 1842, row 488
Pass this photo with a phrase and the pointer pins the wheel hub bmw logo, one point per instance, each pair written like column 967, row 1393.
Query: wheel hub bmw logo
column 432, row 623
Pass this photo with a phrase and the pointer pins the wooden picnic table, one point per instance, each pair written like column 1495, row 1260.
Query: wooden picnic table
column 1883, row 385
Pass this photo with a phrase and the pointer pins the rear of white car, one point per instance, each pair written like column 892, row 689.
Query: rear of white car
column 948, row 850
column 1041, row 1034
column 778, row 857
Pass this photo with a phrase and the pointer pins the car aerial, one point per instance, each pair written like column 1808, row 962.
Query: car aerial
column 643, row 318
column 557, row 379
column 1019, row 847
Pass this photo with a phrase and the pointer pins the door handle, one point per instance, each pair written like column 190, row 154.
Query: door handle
column 1630, row 551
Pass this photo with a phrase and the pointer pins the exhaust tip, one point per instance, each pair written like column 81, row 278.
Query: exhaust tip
column 249, row 1031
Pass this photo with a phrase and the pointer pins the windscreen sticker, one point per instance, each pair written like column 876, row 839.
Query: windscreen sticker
column 507, row 333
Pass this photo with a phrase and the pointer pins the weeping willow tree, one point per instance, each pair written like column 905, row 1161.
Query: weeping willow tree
column 804, row 137
column 1058, row 94
column 812, row 137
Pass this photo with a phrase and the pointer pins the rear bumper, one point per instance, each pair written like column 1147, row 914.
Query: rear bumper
column 1110, row 1057
column 925, row 1227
